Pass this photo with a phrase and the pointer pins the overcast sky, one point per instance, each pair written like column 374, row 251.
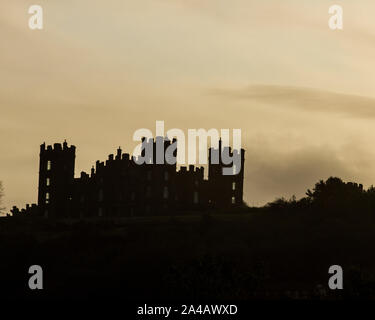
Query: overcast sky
column 303, row 95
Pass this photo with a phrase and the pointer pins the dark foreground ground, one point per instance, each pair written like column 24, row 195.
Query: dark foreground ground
column 203, row 257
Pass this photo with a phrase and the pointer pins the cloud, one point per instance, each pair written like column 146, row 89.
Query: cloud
column 304, row 99
column 271, row 173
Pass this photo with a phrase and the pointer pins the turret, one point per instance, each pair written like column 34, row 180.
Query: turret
column 56, row 175
column 226, row 190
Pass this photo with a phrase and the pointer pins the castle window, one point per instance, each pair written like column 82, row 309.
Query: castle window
column 47, row 197
column 165, row 193
column 132, row 196
column 196, row 197
column 233, row 200
column 233, row 186
column 196, row 182
column 100, row 212
column 100, row 196
column 48, row 182
column 166, row 175
column 49, row 164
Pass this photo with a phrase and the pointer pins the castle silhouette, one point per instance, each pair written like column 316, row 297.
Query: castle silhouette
column 120, row 187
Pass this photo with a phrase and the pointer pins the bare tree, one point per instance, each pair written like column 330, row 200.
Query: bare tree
column 1, row 197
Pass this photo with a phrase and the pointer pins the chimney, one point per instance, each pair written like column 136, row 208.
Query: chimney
column 119, row 152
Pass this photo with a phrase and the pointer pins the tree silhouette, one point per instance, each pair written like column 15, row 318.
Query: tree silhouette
column 332, row 197
column 336, row 195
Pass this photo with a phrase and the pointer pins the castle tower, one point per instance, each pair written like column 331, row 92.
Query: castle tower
column 225, row 191
column 159, row 174
column 56, row 175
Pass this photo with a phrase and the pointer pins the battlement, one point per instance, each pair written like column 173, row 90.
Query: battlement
column 120, row 157
column 158, row 147
column 57, row 147
column 227, row 150
column 123, row 185
column 159, row 139
column 30, row 210
column 84, row 176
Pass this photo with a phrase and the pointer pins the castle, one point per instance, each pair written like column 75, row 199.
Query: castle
column 120, row 187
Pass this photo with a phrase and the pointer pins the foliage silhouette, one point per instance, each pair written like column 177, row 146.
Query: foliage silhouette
column 332, row 198
column 280, row 251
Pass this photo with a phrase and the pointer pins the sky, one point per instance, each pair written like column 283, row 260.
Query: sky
column 302, row 94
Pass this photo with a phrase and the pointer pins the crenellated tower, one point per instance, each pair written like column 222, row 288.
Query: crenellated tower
column 56, row 176
column 225, row 191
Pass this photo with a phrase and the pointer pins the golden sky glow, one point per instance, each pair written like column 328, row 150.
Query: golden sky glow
column 303, row 95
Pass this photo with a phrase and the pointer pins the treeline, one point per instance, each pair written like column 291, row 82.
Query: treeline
column 333, row 197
